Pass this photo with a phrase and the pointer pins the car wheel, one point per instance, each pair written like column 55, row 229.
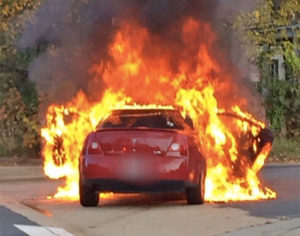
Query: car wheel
column 88, row 197
column 196, row 195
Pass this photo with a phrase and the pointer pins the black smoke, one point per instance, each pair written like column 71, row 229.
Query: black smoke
column 72, row 35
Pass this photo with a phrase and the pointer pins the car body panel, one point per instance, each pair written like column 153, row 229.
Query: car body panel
column 141, row 159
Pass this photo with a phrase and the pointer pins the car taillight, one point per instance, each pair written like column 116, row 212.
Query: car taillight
column 94, row 148
column 177, row 149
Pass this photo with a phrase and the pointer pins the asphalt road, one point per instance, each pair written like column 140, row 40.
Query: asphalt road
column 286, row 181
column 24, row 203
column 9, row 220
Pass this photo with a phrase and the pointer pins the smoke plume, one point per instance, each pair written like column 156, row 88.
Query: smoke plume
column 73, row 35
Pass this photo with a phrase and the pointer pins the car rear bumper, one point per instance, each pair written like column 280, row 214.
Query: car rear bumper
column 121, row 186
column 157, row 168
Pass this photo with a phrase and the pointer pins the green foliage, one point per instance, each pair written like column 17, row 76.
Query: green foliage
column 270, row 31
column 285, row 149
column 18, row 97
column 292, row 58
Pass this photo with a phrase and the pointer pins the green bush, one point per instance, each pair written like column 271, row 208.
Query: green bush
column 286, row 149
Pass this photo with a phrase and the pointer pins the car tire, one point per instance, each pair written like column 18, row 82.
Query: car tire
column 88, row 197
column 195, row 196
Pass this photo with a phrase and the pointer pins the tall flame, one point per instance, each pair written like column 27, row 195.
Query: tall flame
column 139, row 72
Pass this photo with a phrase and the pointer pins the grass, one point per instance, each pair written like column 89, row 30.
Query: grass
column 285, row 150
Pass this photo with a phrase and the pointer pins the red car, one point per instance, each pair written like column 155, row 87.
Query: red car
column 142, row 150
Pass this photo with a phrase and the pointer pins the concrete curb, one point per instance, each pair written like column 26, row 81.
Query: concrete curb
column 273, row 165
column 21, row 173
column 21, row 179
column 35, row 172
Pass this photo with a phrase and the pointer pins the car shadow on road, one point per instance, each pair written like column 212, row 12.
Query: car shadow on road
column 143, row 200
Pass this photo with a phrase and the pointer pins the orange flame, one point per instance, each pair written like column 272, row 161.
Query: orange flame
column 140, row 72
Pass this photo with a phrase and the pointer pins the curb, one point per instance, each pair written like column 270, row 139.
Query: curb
column 280, row 165
column 21, row 179
column 21, row 173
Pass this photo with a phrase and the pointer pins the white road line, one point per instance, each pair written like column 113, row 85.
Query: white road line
column 44, row 231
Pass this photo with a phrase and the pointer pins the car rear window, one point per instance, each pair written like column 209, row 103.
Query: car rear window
column 159, row 120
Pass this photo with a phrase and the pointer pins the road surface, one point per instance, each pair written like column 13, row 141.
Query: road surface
column 25, row 210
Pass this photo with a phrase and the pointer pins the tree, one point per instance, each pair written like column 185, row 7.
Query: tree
column 274, row 29
column 18, row 96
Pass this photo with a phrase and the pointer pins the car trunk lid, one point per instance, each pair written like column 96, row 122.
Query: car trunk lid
column 123, row 141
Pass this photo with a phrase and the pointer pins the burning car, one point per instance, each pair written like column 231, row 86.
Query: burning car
column 142, row 150
column 142, row 68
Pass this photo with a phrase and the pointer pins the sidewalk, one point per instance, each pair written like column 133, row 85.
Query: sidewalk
column 289, row 227
column 15, row 173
